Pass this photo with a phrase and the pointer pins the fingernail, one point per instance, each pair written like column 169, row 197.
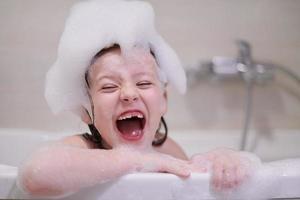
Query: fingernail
column 186, row 172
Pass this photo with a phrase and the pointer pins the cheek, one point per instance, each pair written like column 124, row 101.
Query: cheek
column 103, row 108
column 158, row 102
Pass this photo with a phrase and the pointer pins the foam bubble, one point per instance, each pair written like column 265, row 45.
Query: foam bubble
column 276, row 179
column 97, row 24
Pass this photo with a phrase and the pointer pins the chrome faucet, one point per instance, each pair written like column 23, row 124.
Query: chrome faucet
column 244, row 52
column 243, row 67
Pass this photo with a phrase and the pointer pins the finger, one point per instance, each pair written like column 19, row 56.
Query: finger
column 217, row 175
column 236, row 164
column 198, row 169
column 176, row 167
column 198, row 158
column 229, row 177
column 184, row 169
column 225, row 176
column 240, row 174
column 200, row 163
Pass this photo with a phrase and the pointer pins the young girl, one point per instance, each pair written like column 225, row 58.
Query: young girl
column 115, row 78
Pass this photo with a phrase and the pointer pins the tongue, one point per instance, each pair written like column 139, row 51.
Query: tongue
column 130, row 127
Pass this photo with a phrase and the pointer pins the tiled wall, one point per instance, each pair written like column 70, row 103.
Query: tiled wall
column 196, row 29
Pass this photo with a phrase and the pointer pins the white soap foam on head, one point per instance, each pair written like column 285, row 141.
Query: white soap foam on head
column 95, row 25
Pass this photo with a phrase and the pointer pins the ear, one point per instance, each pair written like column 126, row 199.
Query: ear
column 166, row 95
column 85, row 117
column 165, row 104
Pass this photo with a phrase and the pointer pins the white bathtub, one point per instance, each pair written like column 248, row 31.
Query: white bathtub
column 279, row 179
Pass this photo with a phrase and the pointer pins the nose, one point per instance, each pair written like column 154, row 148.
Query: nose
column 129, row 94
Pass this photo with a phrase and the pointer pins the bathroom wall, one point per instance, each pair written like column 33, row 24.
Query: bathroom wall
column 197, row 29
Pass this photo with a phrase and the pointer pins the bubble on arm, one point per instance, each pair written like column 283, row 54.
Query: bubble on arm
column 57, row 169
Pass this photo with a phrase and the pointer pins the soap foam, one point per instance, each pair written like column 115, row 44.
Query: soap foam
column 266, row 182
column 97, row 24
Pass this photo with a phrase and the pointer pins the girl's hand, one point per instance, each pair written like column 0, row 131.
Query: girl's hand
column 229, row 168
column 158, row 162
column 153, row 161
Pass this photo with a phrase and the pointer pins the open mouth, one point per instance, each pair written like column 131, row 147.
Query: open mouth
column 131, row 125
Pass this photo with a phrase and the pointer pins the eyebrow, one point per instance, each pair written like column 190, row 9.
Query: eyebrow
column 107, row 76
column 100, row 77
column 134, row 74
column 143, row 73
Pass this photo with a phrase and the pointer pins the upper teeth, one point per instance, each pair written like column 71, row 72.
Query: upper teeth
column 130, row 115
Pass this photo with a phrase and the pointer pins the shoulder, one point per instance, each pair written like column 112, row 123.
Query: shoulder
column 78, row 141
column 172, row 148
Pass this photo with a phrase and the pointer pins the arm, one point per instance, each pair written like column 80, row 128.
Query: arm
column 60, row 169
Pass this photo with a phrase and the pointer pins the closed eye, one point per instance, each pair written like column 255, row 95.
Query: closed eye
column 109, row 88
column 144, row 84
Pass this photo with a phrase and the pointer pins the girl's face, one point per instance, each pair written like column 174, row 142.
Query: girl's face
column 128, row 98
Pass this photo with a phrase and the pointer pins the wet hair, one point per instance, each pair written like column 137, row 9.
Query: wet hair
column 95, row 137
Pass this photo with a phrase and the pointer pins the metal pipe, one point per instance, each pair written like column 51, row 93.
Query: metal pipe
column 248, row 113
